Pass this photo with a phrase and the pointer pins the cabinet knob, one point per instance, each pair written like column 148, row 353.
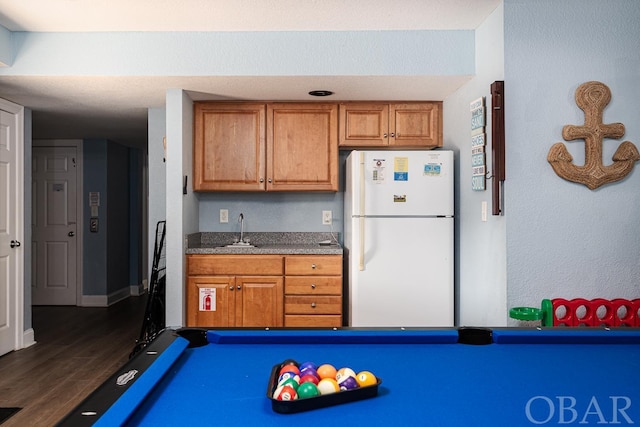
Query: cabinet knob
column 393, row 134
column 313, row 305
column 313, row 266
column 238, row 287
column 231, row 287
column 269, row 180
column 313, row 286
column 261, row 179
column 384, row 135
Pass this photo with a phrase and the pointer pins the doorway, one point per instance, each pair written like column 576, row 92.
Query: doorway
column 11, row 227
column 56, row 224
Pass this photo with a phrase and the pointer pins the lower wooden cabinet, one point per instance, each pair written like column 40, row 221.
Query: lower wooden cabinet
column 224, row 291
column 313, row 291
column 264, row 290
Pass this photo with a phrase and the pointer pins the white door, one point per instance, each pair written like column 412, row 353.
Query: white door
column 11, row 230
column 54, row 226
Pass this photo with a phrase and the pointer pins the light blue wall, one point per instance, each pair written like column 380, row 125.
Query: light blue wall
column 369, row 53
column 6, row 49
column 480, row 268
column 564, row 240
column 278, row 211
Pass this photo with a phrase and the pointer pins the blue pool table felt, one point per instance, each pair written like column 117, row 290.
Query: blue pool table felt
column 440, row 384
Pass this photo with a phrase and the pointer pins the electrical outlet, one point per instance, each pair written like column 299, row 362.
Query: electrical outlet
column 224, row 215
column 326, row 218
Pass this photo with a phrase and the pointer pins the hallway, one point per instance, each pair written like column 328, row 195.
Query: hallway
column 76, row 349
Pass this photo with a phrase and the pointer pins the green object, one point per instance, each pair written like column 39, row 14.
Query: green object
column 290, row 382
column 526, row 313
column 547, row 312
column 307, row 390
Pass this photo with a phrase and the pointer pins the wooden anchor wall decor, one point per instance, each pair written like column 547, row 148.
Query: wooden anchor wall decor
column 592, row 98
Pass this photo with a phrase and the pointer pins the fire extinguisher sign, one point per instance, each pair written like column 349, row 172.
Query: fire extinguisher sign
column 207, row 299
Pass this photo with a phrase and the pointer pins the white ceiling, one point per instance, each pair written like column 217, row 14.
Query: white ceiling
column 85, row 107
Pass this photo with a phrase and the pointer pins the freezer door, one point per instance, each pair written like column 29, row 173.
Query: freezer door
column 407, row 273
column 400, row 183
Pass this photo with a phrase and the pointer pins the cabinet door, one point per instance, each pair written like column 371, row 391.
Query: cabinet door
column 415, row 125
column 229, row 147
column 302, row 147
column 259, row 301
column 219, row 310
column 364, row 125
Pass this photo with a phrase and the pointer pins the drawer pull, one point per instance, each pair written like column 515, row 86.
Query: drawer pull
column 313, row 305
column 313, row 286
column 313, row 266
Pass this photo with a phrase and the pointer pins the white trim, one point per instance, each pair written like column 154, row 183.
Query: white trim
column 78, row 144
column 28, row 338
column 18, row 111
column 106, row 300
column 136, row 290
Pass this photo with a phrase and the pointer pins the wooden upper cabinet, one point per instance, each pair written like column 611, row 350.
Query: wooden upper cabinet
column 392, row 125
column 302, row 147
column 272, row 147
column 229, row 147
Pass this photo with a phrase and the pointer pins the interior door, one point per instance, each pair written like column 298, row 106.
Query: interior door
column 9, row 243
column 54, row 226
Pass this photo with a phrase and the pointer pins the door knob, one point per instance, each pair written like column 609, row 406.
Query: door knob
column 71, row 234
column 15, row 244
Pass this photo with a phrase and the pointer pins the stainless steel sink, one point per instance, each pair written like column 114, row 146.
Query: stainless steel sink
column 240, row 245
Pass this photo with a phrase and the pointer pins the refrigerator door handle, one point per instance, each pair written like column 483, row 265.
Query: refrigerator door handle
column 361, row 220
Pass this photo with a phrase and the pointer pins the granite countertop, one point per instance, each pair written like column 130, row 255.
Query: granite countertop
column 265, row 243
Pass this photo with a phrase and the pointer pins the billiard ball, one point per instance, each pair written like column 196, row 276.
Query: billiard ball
column 289, row 368
column 348, row 383
column 366, row 378
column 284, row 392
column 290, row 382
column 307, row 390
column 344, row 372
column 307, row 365
column 328, row 386
column 309, row 379
column 309, row 371
column 326, row 371
column 286, row 376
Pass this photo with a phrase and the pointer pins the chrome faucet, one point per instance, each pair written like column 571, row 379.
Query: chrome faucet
column 241, row 221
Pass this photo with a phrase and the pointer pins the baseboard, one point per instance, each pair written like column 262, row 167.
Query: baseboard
column 28, row 338
column 105, row 300
column 137, row 290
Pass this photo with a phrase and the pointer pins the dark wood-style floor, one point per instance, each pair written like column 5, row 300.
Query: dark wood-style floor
column 76, row 349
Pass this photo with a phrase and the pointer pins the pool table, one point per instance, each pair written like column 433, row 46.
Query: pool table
column 436, row 377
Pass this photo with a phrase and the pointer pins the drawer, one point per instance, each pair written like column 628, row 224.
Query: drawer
column 311, row 321
column 313, row 265
column 312, row 305
column 257, row 265
column 313, row 285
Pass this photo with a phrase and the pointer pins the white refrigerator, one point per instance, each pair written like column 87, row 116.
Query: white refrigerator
column 398, row 237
